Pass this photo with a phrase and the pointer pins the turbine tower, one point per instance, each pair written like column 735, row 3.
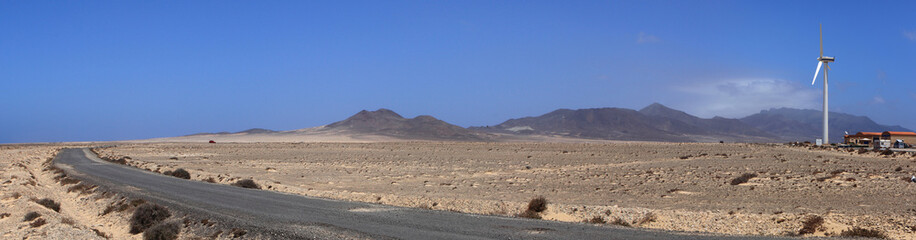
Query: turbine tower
column 823, row 60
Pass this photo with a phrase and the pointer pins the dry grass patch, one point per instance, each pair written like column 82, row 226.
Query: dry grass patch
column 38, row 223
column 179, row 173
column 48, row 203
column 744, row 178
column 597, row 220
column 811, row 224
column 31, row 216
column 535, row 207
column 648, row 218
column 146, row 216
column 163, row 231
column 620, row 222
column 861, row 232
column 246, row 183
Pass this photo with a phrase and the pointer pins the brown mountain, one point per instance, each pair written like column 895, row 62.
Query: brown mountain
column 716, row 127
column 595, row 123
column 652, row 123
column 388, row 123
column 806, row 125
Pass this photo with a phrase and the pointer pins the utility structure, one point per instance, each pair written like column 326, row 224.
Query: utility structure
column 823, row 60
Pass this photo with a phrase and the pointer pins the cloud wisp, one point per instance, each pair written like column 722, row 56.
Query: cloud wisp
column 647, row 38
column 911, row 35
column 741, row 97
column 878, row 100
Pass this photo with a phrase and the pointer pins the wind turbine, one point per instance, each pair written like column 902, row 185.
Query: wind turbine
column 823, row 60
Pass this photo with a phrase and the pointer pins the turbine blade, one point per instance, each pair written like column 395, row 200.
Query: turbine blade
column 822, row 39
column 816, row 71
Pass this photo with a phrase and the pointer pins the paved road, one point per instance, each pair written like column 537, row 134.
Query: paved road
column 293, row 216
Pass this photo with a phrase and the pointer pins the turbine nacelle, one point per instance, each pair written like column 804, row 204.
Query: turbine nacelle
column 826, row 59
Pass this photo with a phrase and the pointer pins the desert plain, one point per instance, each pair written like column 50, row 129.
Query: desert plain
column 670, row 186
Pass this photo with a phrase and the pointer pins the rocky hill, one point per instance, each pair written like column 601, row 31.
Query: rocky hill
column 388, row 123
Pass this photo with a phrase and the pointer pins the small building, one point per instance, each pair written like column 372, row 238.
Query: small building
column 906, row 137
column 862, row 138
column 873, row 139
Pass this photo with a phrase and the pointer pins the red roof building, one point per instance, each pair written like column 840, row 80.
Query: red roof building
column 870, row 138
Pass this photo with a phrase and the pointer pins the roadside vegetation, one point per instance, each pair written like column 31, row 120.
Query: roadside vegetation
column 246, row 183
column 535, row 207
column 146, row 216
column 179, row 173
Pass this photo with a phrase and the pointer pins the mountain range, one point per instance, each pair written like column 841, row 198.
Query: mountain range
column 655, row 122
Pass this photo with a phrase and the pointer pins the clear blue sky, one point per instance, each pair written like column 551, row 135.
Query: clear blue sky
column 114, row 70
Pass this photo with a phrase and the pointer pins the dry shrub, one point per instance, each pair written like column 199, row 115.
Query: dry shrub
column 82, row 188
column 887, row 152
column 100, row 233
column 210, row 180
column 133, row 204
column 163, row 231
column 4, row 215
column 31, row 216
column 246, row 183
column 743, row 178
column 237, row 232
column 122, row 161
column 38, row 223
column 538, row 204
column 530, row 214
column 181, row 173
column 50, row 204
column 863, row 151
column 68, row 221
column 597, row 219
column 146, row 216
column 67, row 181
column 535, row 207
column 811, row 224
column 620, row 222
column 861, row 232
column 648, row 218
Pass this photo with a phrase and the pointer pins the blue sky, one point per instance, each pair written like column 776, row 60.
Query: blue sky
column 114, row 70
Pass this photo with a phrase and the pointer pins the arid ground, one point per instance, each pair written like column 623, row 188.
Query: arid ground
column 673, row 186
column 38, row 201
column 26, row 179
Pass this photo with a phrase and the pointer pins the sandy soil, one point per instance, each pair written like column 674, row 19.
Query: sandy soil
column 25, row 178
column 85, row 210
column 673, row 186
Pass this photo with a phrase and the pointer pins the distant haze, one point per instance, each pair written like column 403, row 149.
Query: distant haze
column 114, row 70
